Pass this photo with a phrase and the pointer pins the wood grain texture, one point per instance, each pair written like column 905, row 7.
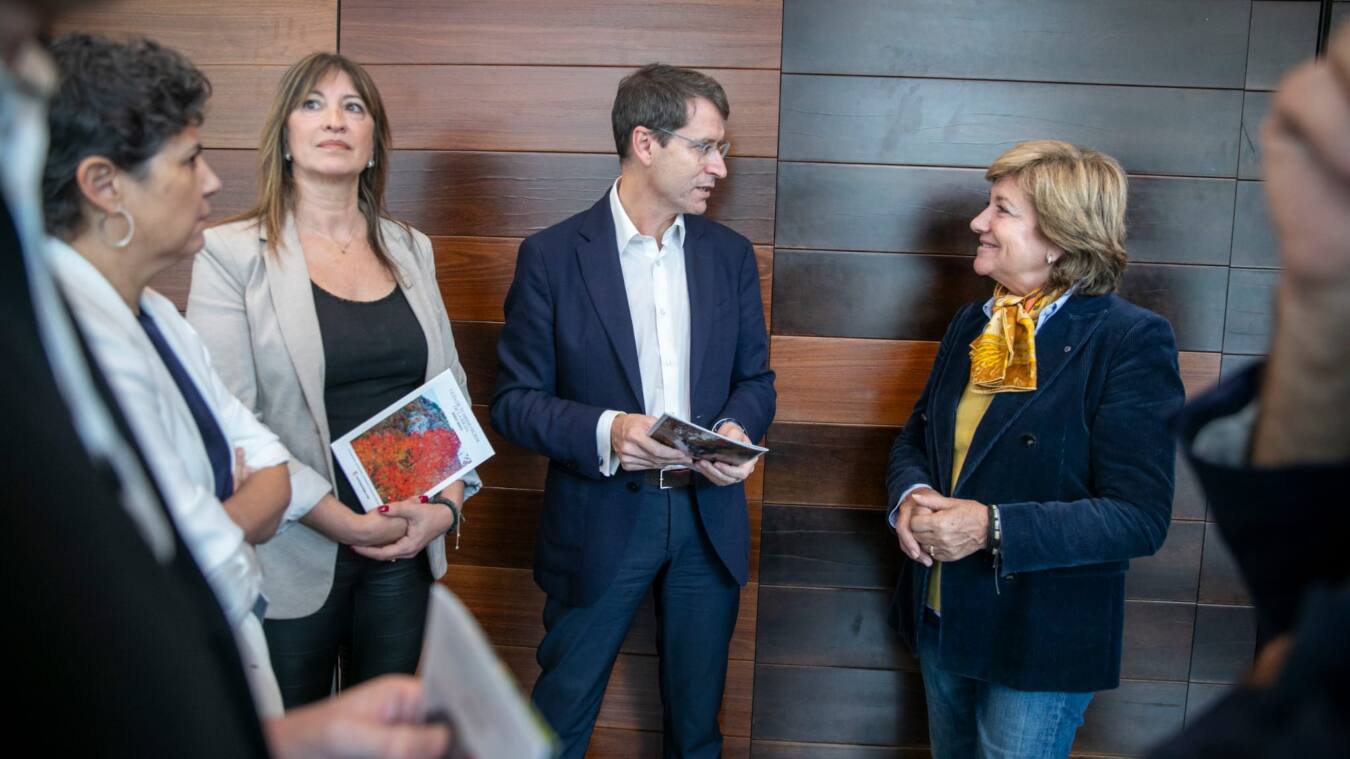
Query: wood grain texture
column 475, row 273
column 827, row 465
column 1201, row 696
column 614, row 743
column 518, row 194
column 243, row 31
column 632, row 699
column 1131, row 719
column 1157, row 640
column 1225, row 643
column 499, row 530
column 1188, row 502
column 730, row 33
column 1255, row 105
column 510, row 607
column 476, row 343
column 240, row 98
column 829, row 628
column 797, row 750
column 883, row 378
column 547, row 108
column 1173, row 573
column 1192, row 44
column 950, row 122
column 1192, row 298
column 1250, row 320
column 839, row 705
column 1220, row 581
column 1199, row 371
column 1283, row 35
column 826, row 547
column 906, row 209
column 1254, row 243
column 511, row 466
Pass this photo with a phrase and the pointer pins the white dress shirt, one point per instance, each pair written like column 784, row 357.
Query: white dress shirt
column 658, row 304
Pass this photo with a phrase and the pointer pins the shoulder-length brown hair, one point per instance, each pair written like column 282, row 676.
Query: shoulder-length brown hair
column 1080, row 197
column 276, row 183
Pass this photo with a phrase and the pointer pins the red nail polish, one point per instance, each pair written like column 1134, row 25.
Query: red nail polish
column 422, row 498
column 384, row 509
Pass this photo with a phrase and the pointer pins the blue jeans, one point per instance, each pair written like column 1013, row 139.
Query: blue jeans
column 973, row 718
column 696, row 604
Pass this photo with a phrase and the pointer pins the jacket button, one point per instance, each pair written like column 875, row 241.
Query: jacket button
column 633, row 487
column 1028, row 440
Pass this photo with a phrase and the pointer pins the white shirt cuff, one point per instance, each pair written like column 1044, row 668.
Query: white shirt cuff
column 895, row 510
column 607, row 462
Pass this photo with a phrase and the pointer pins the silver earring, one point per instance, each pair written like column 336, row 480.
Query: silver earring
column 125, row 240
column 370, row 164
column 1049, row 260
column 286, row 155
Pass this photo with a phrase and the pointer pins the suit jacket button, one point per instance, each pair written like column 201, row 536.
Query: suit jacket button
column 633, row 487
column 1028, row 440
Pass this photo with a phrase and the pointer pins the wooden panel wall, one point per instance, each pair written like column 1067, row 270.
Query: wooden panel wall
column 855, row 171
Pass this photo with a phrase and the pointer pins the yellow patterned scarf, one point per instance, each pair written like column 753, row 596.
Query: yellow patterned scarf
column 1003, row 357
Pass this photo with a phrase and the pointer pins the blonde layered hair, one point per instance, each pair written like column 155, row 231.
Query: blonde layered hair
column 276, row 183
column 1080, row 197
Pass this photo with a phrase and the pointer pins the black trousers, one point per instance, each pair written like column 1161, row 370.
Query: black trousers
column 375, row 613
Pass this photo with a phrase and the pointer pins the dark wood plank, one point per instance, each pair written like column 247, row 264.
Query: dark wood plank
column 788, row 750
column 240, row 98
column 734, row 33
column 1173, row 573
column 547, row 108
column 931, row 122
column 1199, row 371
column 829, row 628
column 614, row 743
column 838, row 705
column 828, row 465
column 632, row 699
column 1254, row 243
column 928, row 210
column 1234, row 364
column 1220, row 581
column 1251, row 310
column 475, row 273
column 827, row 548
column 242, row 31
column 238, row 172
column 1190, row 297
column 476, row 343
column 510, row 607
column 883, row 377
column 1201, row 696
column 1340, row 11
column 499, row 530
column 1254, row 108
column 1192, row 44
column 1131, row 719
column 847, row 294
column 518, row 194
column 1157, row 640
column 1188, row 502
column 174, row 282
column 1283, row 35
column 1225, row 643
column 511, row 466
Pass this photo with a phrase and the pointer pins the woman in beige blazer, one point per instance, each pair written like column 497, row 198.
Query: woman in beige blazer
column 319, row 312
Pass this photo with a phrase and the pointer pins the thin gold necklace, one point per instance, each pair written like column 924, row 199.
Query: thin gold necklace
column 342, row 248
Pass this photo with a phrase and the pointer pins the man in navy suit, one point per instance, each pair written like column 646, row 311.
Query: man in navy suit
column 636, row 308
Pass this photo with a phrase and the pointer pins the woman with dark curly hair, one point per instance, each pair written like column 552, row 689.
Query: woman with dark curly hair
column 125, row 196
column 321, row 311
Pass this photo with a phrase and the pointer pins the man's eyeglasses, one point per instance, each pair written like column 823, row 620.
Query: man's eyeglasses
column 704, row 148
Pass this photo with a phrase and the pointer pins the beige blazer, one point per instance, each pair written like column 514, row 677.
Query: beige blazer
column 255, row 312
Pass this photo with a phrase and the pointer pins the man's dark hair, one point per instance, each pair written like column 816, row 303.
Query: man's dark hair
column 657, row 96
column 119, row 100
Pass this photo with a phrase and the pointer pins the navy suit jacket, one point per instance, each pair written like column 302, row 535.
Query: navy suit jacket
column 1082, row 472
column 567, row 353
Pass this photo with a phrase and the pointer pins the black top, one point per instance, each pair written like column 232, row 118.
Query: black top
column 374, row 353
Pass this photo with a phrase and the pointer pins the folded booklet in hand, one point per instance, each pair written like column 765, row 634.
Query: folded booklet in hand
column 466, row 684
column 701, row 443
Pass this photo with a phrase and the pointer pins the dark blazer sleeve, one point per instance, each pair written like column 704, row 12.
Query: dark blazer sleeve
column 910, row 462
column 1132, row 455
column 525, row 407
column 752, row 399
column 1285, row 527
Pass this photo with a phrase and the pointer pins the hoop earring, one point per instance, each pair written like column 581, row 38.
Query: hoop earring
column 125, row 240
